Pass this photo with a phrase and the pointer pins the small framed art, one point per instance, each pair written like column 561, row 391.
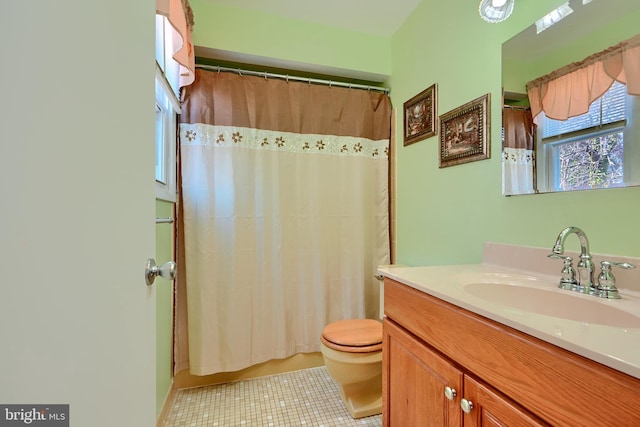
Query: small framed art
column 465, row 133
column 420, row 116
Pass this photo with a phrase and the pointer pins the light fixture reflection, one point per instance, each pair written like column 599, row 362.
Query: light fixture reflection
column 495, row 10
column 553, row 17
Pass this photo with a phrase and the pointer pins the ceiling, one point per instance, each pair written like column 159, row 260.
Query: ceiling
column 377, row 17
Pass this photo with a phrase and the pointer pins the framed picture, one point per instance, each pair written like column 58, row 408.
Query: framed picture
column 420, row 116
column 465, row 133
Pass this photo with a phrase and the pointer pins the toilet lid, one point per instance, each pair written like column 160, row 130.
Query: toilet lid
column 354, row 333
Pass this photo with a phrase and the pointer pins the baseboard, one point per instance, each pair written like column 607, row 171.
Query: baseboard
column 184, row 379
column 166, row 405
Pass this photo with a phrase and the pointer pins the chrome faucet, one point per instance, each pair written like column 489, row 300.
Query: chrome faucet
column 585, row 264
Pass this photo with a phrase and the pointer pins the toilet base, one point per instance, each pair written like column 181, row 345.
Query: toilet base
column 358, row 376
column 364, row 400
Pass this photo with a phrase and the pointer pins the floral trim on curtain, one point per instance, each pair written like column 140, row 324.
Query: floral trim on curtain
column 517, row 170
column 518, row 156
column 259, row 139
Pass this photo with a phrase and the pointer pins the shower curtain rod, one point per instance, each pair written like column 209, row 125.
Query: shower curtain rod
column 516, row 107
column 293, row 78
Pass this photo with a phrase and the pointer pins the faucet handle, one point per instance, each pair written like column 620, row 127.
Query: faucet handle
column 567, row 275
column 607, row 281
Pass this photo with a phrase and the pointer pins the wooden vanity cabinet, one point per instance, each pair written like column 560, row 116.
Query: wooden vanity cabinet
column 511, row 378
column 490, row 409
column 414, row 381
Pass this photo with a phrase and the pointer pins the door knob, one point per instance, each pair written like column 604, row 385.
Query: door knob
column 166, row 270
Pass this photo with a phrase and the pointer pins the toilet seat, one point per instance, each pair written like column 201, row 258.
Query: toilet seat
column 353, row 336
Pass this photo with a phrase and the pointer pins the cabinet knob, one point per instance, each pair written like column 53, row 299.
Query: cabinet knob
column 450, row 392
column 466, row 406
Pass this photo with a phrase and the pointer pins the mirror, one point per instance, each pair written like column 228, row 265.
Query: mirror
column 590, row 28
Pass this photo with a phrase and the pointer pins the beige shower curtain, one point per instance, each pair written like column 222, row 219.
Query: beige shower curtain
column 518, row 153
column 285, row 216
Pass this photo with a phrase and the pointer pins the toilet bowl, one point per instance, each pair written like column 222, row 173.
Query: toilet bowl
column 352, row 353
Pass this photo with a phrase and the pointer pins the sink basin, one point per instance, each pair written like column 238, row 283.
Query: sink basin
column 554, row 302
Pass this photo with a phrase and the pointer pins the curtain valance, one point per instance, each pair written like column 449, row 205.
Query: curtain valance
column 570, row 90
column 180, row 16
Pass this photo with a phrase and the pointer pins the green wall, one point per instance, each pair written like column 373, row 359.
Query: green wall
column 445, row 215
column 164, row 305
column 246, row 32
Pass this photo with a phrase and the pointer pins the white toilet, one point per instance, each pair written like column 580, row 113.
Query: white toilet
column 352, row 353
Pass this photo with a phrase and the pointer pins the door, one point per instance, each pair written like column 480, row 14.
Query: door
column 77, row 213
column 414, row 387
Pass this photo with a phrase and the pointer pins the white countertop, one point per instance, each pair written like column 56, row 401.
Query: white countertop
column 615, row 346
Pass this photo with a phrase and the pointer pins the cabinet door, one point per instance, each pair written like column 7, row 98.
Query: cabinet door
column 414, row 382
column 489, row 409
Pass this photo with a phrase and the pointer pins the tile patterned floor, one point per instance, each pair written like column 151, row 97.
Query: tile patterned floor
column 308, row 397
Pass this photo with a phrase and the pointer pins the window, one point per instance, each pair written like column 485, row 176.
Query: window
column 166, row 117
column 167, row 109
column 588, row 151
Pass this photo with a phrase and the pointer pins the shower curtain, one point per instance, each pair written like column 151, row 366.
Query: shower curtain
column 285, row 214
column 518, row 155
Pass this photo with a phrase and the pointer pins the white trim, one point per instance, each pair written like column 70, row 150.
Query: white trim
column 161, row 78
column 165, row 139
column 165, row 410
